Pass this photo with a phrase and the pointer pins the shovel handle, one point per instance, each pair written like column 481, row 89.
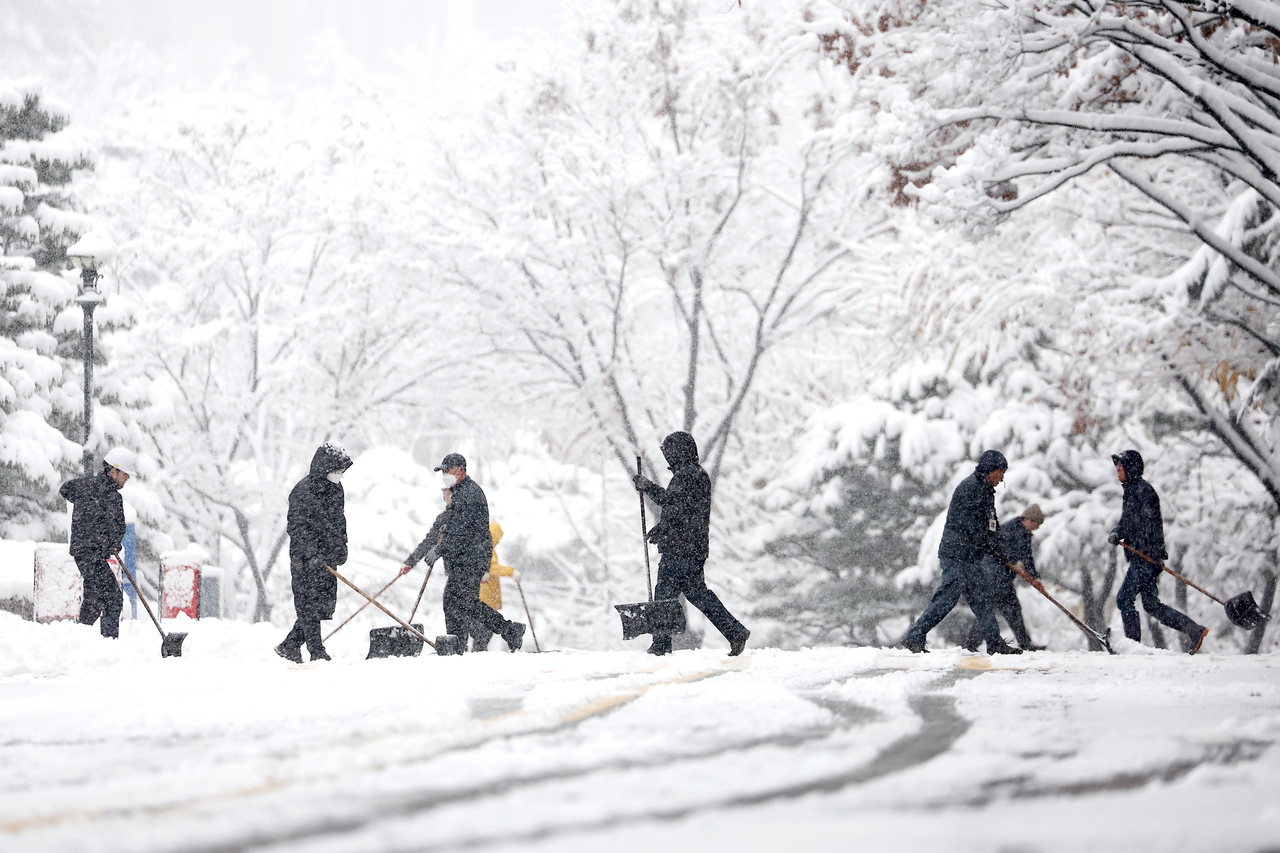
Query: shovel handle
column 376, row 595
column 142, row 598
column 1189, row 583
column 1079, row 623
column 528, row 615
column 431, row 568
column 644, row 531
column 408, row 627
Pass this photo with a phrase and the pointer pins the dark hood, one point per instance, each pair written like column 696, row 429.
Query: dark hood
column 329, row 457
column 1131, row 461
column 991, row 460
column 679, row 448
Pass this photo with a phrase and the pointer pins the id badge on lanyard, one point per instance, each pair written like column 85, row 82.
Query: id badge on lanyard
column 991, row 524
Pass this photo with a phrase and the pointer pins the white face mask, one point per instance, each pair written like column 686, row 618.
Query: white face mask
column 448, row 481
column 336, row 476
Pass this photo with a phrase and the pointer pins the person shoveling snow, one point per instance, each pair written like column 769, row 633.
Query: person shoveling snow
column 317, row 528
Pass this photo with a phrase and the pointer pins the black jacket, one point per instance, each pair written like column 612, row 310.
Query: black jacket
column 467, row 544
column 1015, row 545
column 97, row 522
column 1141, row 525
column 317, row 527
column 684, row 529
column 971, row 530
column 430, row 540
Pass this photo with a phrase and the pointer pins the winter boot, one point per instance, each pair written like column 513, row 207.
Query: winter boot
column 738, row 643
column 319, row 655
column 1002, row 648
column 514, row 635
column 289, row 653
column 1204, row 632
column 914, row 643
column 661, row 645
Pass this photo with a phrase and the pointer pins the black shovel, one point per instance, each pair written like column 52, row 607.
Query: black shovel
column 649, row 617
column 1242, row 610
column 170, row 644
column 396, row 642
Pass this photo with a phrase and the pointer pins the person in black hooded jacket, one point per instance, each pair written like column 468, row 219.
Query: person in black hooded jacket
column 970, row 533
column 682, row 536
column 1141, row 527
column 317, row 528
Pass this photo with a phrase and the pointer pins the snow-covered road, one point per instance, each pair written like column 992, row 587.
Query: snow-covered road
column 107, row 747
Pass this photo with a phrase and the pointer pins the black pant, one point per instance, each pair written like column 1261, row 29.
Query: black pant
column 1004, row 600
column 464, row 613
column 1142, row 581
column 305, row 630
column 102, row 595
column 958, row 578
column 679, row 575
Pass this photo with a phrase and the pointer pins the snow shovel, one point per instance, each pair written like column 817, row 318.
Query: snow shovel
column 396, row 641
column 647, row 617
column 1242, row 610
column 411, row 629
column 1104, row 638
column 170, row 644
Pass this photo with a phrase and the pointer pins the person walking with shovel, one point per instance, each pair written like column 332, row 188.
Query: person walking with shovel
column 97, row 531
column 683, row 537
column 970, row 533
column 1015, row 544
column 317, row 528
column 1141, row 528
column 466, row 545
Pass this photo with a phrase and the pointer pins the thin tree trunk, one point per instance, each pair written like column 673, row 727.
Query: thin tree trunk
column 1254, row 644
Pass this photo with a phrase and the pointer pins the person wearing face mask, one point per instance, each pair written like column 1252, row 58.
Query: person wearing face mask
column 317, row 528
column 466, row 546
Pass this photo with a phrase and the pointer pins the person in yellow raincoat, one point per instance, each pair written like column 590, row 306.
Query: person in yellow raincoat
column 491, row 588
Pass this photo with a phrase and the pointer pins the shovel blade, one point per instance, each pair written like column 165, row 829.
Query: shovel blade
column 448, row 644
column 171, row 645
column 650, row 617
column 394, row 642
column 1244, row 612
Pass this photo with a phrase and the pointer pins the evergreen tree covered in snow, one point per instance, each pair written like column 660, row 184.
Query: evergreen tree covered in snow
column 39, row 403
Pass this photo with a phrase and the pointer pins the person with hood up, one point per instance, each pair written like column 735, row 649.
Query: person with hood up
column 683, row 537
column 491, row 588
column 97, row 531
column 1015, row 544
column 317, row 528
column 1141, row 527
column 970, row 532
column 467, row 548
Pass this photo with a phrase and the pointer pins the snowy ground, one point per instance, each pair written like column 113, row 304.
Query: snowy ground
column 107, row 747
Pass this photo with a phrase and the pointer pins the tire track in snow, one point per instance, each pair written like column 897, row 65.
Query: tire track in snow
column 941, row 726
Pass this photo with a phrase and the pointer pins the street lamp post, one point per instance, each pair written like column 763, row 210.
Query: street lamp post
column 88, row 254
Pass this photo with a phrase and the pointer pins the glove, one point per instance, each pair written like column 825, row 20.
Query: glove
column 1114, row 538
column 432, row 556
column 404, row 570
column 639, row 482
column 1020, row 567
column 515, row 575
column 485, row 578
